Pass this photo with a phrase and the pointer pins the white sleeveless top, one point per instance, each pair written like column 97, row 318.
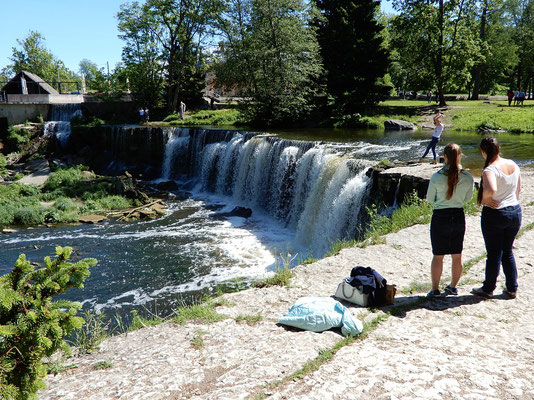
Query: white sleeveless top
column 506, row 193
column 438, row 130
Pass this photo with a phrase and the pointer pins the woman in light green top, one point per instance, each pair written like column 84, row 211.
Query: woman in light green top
column 449, row 189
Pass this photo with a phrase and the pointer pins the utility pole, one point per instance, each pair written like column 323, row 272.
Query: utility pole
column 109, row 80
column 58, row 81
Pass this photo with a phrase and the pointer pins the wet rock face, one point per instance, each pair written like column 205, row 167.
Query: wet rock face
column 391, row 185
column 399, row 125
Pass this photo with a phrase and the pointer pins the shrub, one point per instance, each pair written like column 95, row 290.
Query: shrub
column 65, row 204
column 32, row 326
column 3, row 162
column 113, row 203
column 30, row 215
column 63, row 177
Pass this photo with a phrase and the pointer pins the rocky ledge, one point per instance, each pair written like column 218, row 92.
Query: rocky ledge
column 459, row 347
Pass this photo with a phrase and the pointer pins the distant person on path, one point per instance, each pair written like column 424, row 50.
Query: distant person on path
column 449, row 189
column 501, row 217
column 429, row 96
column 435, row 138
column 182, row 110
column 146, row 115
column 510, row 96
column 521, row 97
column 516, row 97
column 142, row 114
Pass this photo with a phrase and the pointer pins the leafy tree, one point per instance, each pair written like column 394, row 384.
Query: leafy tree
column 35, row 58
column 270, row 51
column 165, row 37
column 94, row 76
column 500, row 50
column 354, row 56
column 521, row 18
column 437, row 46
column 32, row 326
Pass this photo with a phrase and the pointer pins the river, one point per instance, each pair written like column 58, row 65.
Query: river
column 305, row 189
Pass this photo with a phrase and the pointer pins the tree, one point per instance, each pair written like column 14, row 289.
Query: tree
column 521, row 15
column 94, row 76
column 35, row 58
column 437, row 46
column 168, row 36
column 353, row 53
column 32, row 326
column 270, row 50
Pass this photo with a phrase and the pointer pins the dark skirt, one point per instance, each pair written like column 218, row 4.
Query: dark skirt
column 447, row 231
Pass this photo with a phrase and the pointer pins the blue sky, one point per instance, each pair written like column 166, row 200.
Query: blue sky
column 73, row 29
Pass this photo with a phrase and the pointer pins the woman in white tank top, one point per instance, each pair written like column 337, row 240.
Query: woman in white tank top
column 501, row 217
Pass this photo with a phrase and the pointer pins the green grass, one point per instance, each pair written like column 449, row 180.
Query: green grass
column 92, row 333
column 249, row 319
column 202, row 313
column 222, row 117
column 102, row 365
column 198, row 339
column 475, row 115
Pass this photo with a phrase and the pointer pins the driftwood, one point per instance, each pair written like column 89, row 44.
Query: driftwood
column 133, row 210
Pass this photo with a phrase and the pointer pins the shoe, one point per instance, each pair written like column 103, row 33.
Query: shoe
column 509, row 294
column 433, row 293
column 482, row 293
column 421, row 160
column 434, row 161
column 450, row 291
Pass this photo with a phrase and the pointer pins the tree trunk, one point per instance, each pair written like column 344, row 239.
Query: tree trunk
column 439, row 66
column 478, row 69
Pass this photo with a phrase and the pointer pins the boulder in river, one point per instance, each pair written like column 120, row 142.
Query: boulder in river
column 399, row 125
column 242, row 212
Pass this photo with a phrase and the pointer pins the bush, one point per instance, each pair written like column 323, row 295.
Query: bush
column 65, row 204
column 63, row 177
column 113, row 203
column 32, row 326
column 31, row 215
column 86, row 121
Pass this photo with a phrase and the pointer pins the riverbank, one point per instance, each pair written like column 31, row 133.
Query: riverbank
column 456, row 347
column 461, row 115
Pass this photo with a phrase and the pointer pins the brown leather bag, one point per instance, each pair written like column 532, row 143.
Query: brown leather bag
column 391, row 290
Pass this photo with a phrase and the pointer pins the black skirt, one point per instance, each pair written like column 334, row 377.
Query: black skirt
column 447, row 231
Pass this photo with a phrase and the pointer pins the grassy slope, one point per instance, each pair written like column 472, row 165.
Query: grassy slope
column 465, row 115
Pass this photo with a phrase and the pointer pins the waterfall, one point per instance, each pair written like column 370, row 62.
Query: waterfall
column 59, row 124
column 308, row 187
column 175, row 150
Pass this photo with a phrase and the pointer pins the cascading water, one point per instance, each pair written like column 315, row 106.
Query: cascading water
column 59, row 124
column 307, row 187
column 175, row 150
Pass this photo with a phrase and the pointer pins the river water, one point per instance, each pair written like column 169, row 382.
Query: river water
column 304, row 195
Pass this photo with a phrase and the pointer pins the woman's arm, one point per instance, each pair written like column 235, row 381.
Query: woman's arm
column 489, row 188
column 518, row 190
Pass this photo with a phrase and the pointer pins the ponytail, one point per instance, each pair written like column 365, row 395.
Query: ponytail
column 453, row 153
column 491, row 147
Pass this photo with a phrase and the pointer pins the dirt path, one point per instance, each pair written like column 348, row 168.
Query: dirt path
column 452, row 348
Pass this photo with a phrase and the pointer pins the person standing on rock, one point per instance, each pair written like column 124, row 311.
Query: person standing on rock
column 435, row 138
column 500, row 186
column 449, row 189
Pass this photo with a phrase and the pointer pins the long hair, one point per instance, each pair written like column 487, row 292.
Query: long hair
column 453, row 153
column 492, row 148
